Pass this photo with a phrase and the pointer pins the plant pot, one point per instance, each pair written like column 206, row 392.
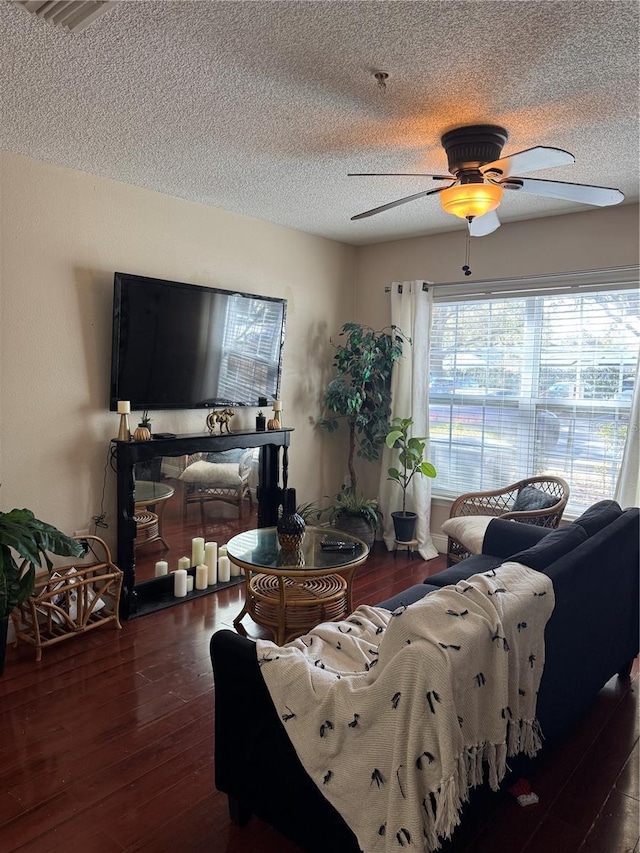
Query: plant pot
column 357, row 526
column 404, row 525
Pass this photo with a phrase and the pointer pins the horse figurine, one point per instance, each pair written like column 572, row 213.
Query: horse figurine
column 222, row 417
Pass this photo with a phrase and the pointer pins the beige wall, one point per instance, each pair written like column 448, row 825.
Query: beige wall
column 63, row 233
column 594, row 239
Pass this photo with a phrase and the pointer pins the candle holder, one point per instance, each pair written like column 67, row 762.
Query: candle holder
column 124, row 433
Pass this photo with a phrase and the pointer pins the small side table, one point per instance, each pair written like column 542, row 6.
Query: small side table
column 409, row 545
column 148, row 523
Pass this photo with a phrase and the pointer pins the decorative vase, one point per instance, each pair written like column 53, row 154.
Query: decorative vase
column 404, row 525
column 142, row 433
column 291, row 526
column 261, row 422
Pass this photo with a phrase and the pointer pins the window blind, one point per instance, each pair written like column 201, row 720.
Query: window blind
column 535, row 380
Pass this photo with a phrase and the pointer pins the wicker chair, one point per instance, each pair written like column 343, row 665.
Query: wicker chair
column 217, row 481
column 499, row 502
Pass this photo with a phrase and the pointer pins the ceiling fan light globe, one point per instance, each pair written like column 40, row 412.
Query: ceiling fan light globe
column 469, row 200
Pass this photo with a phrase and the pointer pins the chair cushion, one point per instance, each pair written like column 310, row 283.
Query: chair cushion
column 233, row 455
column 598, row 516
column 225, row 475
column 469, row 530
column 531, row 498
column 554, row 545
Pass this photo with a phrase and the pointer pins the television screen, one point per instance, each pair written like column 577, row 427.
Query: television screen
column 181, row 346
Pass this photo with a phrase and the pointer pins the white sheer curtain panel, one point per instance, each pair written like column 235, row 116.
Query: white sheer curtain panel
column 411, row 310
column 627, row 491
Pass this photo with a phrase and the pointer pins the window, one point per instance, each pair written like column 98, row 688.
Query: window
column 532, row 381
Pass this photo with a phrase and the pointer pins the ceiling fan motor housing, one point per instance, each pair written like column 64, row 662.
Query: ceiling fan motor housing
column 469, row 148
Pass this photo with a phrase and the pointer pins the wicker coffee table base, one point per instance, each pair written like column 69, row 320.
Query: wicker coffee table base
column 289, row 607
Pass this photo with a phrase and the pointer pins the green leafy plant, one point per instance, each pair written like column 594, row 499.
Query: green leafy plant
column 361, row 392
column 145, row 420
column 410, row 456
column 33, row 540
column 348, row 502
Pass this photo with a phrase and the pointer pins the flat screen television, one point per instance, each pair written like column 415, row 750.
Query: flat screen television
column 181, row 346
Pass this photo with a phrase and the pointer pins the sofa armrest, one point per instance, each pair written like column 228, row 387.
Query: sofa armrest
column 255, row 762
column 503, row 538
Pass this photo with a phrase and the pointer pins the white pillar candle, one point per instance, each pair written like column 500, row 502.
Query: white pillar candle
column 162, row 568
column 211, row 559
column 224, row 569
column 197, row 551
column 235, row 570
column 202, row 574
column 222, row 551
column 180, row 583
column 184, row 563
column 124, row 407
column 189, row 583
column 277, row 406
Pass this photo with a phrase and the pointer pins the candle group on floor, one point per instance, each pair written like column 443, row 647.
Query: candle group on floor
column 212, row 566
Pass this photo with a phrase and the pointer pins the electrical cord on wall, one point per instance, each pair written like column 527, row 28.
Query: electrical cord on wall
column 99, row 520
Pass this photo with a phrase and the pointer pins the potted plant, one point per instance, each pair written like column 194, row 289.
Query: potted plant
column 32, row 540
column 412, row 462
column 360, row 395
column 143, row 430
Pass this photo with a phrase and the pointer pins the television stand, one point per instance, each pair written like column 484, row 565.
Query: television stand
column 138, row 598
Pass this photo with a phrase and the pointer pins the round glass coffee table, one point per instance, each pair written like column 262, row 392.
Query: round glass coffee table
column 288, row 592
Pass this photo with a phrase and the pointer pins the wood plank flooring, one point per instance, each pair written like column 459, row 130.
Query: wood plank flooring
column 107, row 743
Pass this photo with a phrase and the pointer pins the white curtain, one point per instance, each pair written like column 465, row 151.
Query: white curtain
column 627, row 491
column 411, row 310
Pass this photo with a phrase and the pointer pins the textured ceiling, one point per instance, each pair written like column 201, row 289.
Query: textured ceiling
column 262, row 108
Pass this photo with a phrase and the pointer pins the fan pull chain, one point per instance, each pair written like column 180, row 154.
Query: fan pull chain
column 466, row 269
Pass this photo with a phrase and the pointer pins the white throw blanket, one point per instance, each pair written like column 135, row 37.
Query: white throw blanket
column 396, row 715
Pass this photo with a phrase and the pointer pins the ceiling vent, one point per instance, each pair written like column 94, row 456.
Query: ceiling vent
column 73, row 15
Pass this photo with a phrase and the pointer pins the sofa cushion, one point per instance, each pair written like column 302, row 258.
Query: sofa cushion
column 408, row 596
column 464, row 569
column 554, row 545
column 505, row 536
column 598, row 516
column 531, row 498
column 468, row 530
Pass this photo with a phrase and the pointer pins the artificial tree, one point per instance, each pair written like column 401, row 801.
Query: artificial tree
column 360, row 395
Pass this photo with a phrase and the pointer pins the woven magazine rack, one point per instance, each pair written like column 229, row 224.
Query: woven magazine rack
column 72, row 600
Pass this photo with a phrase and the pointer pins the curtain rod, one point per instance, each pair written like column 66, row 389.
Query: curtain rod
column 425, row 287
column 532, row 279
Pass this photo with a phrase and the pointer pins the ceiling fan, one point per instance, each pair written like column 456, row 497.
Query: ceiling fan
column 478, row 176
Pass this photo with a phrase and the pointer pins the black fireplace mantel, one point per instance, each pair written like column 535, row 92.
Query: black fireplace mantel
column 156, row 594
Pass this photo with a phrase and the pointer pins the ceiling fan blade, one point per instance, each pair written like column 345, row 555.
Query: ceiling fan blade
column 582, row 193
column 399, row 174
column 485, row 224
column 397, row 203
column 529, row 160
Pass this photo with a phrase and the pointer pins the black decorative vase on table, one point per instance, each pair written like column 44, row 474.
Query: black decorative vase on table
column 291, row 526
column 404, row 525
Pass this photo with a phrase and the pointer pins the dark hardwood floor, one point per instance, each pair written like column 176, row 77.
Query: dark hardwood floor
column 107, row 745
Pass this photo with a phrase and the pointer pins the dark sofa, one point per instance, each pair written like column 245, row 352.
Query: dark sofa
column 592, row 635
